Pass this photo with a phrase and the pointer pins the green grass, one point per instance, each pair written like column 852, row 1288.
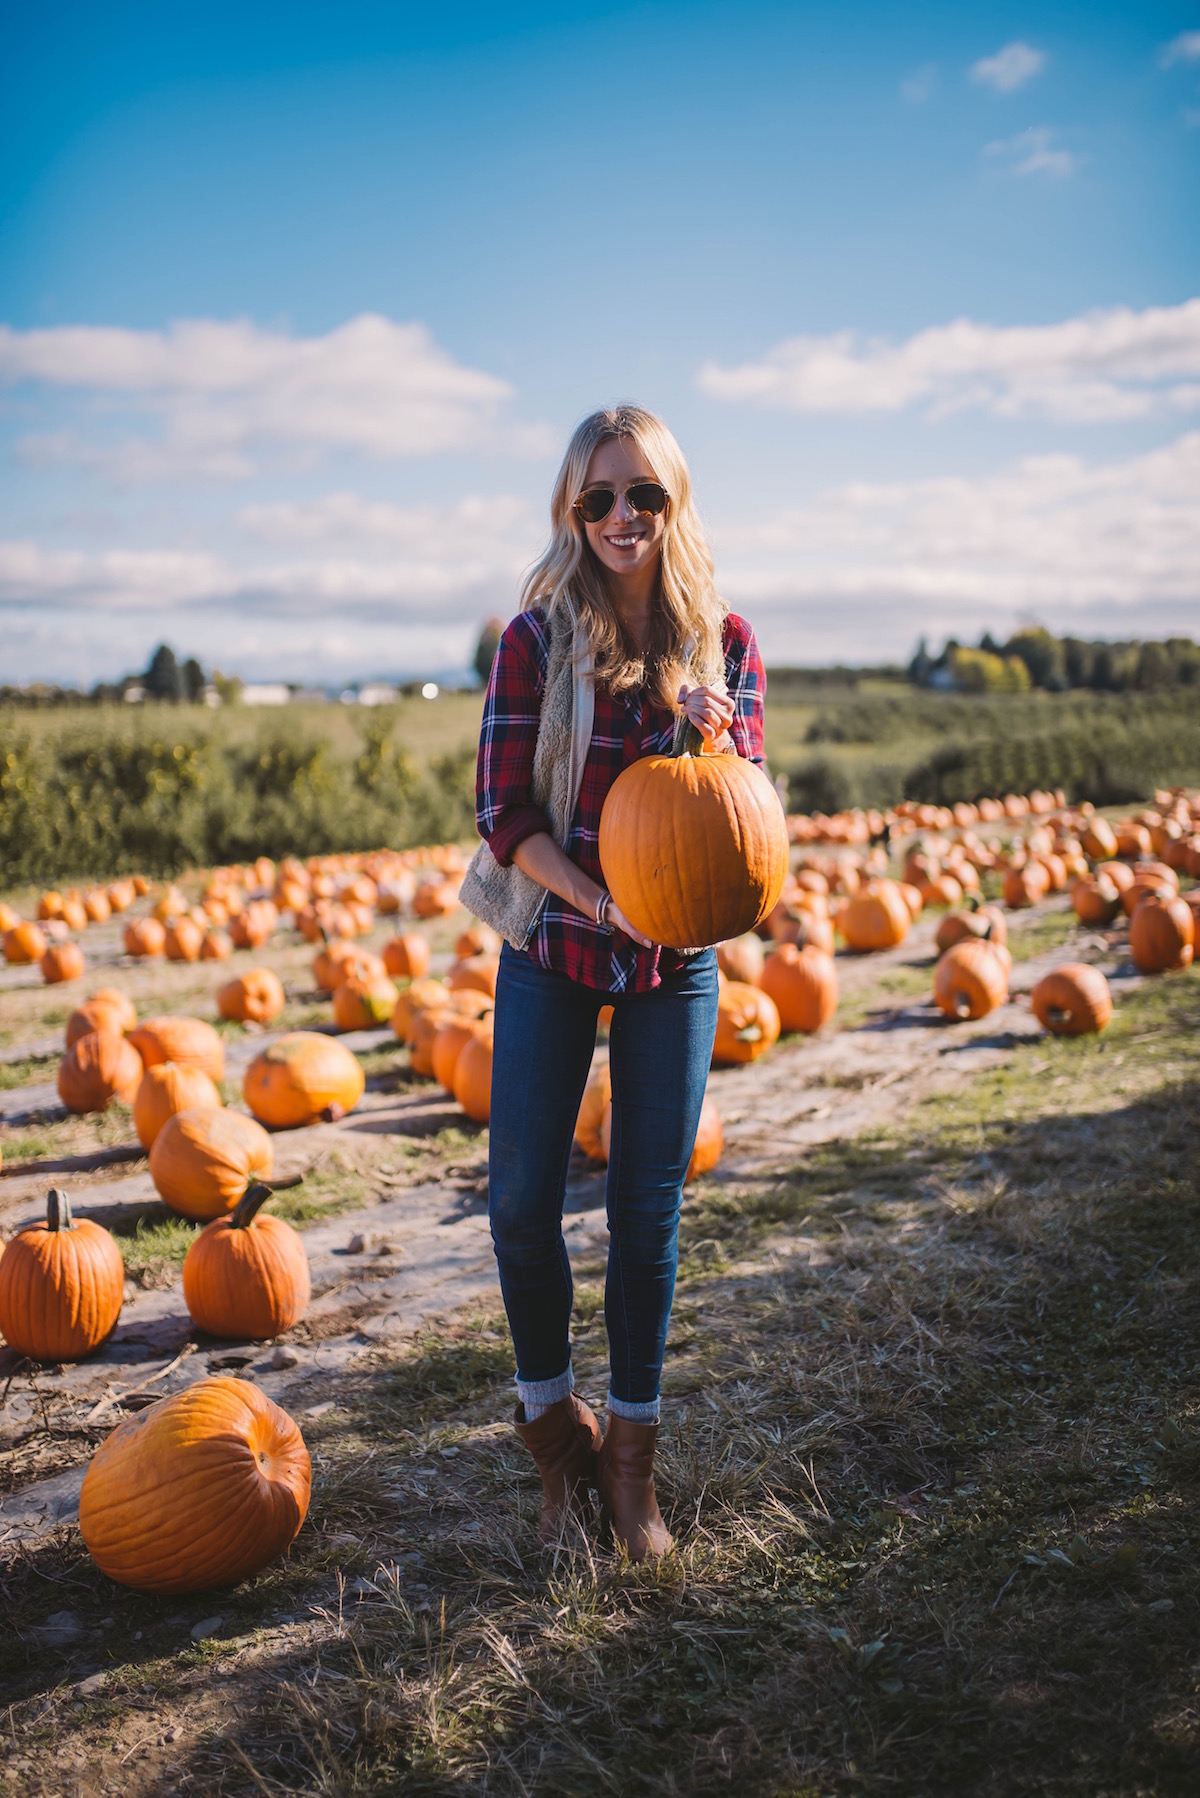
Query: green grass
column 28, row 1070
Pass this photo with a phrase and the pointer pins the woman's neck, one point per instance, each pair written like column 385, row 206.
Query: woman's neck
column 633, row 597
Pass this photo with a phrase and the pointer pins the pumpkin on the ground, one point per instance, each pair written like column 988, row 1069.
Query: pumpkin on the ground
column 406, row 957
column 476, row 939
column 302, row 1078
column 97, row 1069
column 145, row 936
column 741, row 958
column 987, row 921
column 474, row 973
column 184, row 939
column 255, row 997
column 1025, row 886
column 804, row 985
column 425, row 1027
column 109, row 1009
column 1162, row 934
column 203, row 1160
column 62, row 961
column 199, row 1490
column 1073, row 1000
column 876, row 917
column 971, row 979
column 694, row 848
column 363, row 1002
column 1099, row 840
column 217, row 946
column 24, row 943
column 1095, row 899
column 747, row 1023
column 188, row 1042
column 246, row 1275
column 597, row 1097
column 165, row 1089
column 710, row 1141
column 450, row 1041
column 473, row 1077
column 251, row 928
column 418, row 997
column 62, row 1284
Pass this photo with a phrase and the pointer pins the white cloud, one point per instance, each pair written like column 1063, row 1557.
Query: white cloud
column 224, row 391
column 1184, row 48
column 919, row 86
column 1009, row 68
column 1112, row 365
column 1033, row 152
column 856, row 573
column 861, row 570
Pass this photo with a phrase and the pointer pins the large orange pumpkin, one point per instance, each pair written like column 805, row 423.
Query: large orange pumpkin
column 1073, row 1000
column 188, row 1042
column 971, row 979
column 62, row 1284
column 476, row 939
column 425, row 1027
column 97, row 1069
column 24, row 943
column 475, row 973
column 217, row 946
column 593, row 1107
column 406, row 957
column 301, row 1078
column 451, row 1039
column 362, row 1002
column 200, row 1490
column 418, row 997
column 62, row 961
column 877, row 917
column 246, row 1275
column 165, row 1089
column 109, row 1009
column 145, row 936
column 473, row 1077
column 184, row 939
column 1026, row 885
column 1162, row 934
column 742, row 958
column 1095, row 899
column 97, row 905
column 255, row 997
column 1099, row 839
column 203, row 1160
column 710, row 1141
column 251, row 928
column 694, row 848
column 747, row 1023
column 803, row 984
column 987, row 922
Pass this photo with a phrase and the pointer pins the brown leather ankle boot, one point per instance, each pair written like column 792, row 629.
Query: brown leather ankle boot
column 564, row 1442
column 626, row 1477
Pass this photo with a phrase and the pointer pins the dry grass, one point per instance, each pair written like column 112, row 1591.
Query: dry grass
column 932, row 1456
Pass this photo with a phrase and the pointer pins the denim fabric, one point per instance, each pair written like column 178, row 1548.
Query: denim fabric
column 660, row 1046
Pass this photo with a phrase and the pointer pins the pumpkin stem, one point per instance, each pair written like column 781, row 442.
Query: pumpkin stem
column 255, row 1196
column 58, row 1210
column 688, row 739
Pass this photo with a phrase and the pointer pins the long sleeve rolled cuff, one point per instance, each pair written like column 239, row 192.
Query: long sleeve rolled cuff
column 515, row 823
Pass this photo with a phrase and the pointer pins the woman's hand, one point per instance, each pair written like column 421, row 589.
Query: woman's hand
column 710, row 709
column 617, row 919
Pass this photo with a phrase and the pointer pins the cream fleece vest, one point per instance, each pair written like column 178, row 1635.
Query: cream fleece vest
column 506, row 898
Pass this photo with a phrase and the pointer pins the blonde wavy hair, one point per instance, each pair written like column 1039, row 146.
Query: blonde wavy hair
column 685, row 631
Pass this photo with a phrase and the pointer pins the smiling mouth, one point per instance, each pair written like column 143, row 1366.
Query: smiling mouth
column 626, row 540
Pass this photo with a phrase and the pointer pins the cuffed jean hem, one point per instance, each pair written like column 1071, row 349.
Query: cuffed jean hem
column 546, row 1392
column 633, row 1411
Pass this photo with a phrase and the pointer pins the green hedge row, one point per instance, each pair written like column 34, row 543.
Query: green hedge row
column 98, row 798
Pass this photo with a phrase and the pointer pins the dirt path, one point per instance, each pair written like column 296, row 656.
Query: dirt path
column 417, row 1248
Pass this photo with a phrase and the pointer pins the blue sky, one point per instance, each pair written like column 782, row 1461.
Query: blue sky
column 299, row 304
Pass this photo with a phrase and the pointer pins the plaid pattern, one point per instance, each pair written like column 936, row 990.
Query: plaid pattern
column 566, row 941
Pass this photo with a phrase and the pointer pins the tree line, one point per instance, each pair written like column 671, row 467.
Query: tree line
column 1034, row 657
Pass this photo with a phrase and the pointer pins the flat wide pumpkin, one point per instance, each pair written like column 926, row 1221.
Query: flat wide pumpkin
column 199, row 1490
column 301, row 1077
column 694, row 848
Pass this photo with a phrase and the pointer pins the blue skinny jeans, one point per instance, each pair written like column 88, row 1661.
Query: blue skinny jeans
column 660, row 1047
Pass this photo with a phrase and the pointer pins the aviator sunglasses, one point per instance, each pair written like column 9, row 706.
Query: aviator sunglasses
column 643, row 496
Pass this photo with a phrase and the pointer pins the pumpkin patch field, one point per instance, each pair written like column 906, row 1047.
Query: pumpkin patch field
column 931, row 1439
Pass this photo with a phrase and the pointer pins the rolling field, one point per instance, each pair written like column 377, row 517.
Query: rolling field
column 931, row 1445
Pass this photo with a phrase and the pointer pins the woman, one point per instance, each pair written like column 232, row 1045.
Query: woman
column 620, row 634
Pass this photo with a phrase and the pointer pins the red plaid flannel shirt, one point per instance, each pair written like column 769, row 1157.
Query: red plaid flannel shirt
column 567, row 941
